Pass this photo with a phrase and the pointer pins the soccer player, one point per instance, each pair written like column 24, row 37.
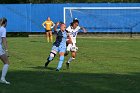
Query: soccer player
column 48, row 25
column 58, row 46
column 73, row 30
column 3, row 50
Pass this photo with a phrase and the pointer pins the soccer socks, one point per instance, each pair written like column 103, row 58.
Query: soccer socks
column 4, row 71
column 61, row 59
column 50, row 58
column 70, row 59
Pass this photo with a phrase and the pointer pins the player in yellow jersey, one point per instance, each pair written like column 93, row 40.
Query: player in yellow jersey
column 48, row 25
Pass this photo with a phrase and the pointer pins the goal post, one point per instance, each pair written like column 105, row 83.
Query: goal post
column 105, row 19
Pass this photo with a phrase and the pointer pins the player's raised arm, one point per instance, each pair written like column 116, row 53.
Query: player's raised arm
column 56, row 26
column 58, row 46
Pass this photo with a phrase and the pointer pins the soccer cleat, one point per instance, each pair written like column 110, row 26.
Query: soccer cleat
column 67, row 65
column 4, row 82
column 57, row 69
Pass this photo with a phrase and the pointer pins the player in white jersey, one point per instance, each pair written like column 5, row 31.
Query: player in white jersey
column 73, row 30
column 3, row 50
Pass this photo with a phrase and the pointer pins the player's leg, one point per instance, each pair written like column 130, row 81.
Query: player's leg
column 52, row 55
column 61, row 58
column 5, row 60
column 47, row 36
column 69, row 45
column 73, row 50
column 50, row 36
column 68, row 49
column 73, row 56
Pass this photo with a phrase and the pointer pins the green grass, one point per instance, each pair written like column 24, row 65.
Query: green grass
column 101, row 66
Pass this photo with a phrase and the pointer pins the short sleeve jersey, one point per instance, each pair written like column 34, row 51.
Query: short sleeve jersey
column 73, row 32
column 61, row 39
column 48, row 24
column 2, row 34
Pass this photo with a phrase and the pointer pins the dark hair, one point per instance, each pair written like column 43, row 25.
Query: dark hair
column 74, row 21
column 3, row 21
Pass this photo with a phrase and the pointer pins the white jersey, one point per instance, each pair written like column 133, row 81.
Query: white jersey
column 73, row 33
column 2, row 34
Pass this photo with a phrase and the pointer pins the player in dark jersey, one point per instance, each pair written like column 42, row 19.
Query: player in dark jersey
column 58, row 46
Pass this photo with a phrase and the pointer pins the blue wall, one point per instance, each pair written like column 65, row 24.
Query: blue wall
column 29, row 17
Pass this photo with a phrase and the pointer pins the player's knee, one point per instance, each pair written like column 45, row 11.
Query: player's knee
column 51, row 57
column 73, row 54
column 50, row 34
column 52, row 54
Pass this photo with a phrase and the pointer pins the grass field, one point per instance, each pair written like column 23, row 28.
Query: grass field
column 102, row 66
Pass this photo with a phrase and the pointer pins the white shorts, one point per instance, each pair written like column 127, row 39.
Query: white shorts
column 2, row 51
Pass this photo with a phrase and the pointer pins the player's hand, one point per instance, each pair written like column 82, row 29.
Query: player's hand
column 57, row 23
column 85, row 31
column 51, row 27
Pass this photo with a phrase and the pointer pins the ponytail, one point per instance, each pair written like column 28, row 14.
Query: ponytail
column 3, row 21
column 0, row 21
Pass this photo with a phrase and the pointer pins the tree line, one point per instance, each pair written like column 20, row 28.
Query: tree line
column 66, row 1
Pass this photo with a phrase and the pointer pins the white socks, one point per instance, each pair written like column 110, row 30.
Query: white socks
column 70, row 59
column 4, row 71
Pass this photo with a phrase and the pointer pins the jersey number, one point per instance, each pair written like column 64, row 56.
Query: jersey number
column 74, row 34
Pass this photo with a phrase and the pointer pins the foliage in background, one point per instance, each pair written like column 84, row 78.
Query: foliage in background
column 66, row 1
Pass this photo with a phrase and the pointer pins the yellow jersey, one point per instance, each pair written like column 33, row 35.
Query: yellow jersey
column 48, row 24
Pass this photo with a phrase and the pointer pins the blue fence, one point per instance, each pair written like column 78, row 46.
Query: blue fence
column 29, row 17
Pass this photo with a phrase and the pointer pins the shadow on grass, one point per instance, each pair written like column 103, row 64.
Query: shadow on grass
column 38, row 41
column 66, row 82
column 42, row 67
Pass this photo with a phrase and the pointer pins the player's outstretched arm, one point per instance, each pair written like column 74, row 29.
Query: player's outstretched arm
column 84, row 30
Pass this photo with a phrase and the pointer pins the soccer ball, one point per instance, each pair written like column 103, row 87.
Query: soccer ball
column 74, row 48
